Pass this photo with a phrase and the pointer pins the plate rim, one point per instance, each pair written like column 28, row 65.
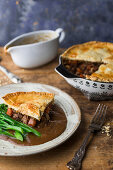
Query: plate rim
column 56, row 144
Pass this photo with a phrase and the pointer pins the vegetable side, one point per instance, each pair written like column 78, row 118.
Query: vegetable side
column 20, row 130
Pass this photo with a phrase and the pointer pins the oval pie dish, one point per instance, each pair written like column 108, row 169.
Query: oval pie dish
column 92, row 89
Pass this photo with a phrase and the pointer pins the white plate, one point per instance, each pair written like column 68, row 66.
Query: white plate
column 69, row 106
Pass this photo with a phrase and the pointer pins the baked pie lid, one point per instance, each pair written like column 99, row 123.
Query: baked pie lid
column 29, row 103
column 91, row 51
column 100, row 52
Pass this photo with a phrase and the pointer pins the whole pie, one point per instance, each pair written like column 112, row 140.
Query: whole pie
column 92, row 60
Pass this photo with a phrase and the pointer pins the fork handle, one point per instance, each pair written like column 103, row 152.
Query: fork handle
column 76, row 162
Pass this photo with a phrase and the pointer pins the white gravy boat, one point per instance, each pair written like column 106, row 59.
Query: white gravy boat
column 35, row 53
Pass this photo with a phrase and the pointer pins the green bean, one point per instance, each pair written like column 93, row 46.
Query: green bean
column 6, row 122
column 18, row 136
column 4, row 132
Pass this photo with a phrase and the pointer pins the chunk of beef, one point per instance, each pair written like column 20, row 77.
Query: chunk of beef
column 25, row 119
column 17, row 116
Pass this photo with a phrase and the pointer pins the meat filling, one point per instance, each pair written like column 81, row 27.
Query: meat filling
column 27, row 119
column 81, row 68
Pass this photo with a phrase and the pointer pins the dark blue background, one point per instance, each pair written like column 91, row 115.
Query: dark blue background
column 83, row 20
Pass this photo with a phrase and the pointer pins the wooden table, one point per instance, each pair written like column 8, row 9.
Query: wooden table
column 100, row 152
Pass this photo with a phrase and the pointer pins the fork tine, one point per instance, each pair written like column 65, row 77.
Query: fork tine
column 100, row 114
column 97, row 113
column 103, row 115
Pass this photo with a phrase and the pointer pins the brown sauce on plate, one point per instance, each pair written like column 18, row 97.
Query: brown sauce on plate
column 49, row 131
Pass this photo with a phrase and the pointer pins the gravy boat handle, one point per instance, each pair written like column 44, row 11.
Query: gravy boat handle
column 61, row 33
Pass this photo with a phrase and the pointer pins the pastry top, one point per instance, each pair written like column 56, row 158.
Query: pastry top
column 91, row 51
column 100, row 52
column 29, row 103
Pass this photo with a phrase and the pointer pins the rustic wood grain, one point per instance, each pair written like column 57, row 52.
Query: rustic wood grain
column 100, row 152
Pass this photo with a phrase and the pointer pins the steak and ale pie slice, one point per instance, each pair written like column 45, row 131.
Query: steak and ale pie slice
column 29, row 107
column 92, row 60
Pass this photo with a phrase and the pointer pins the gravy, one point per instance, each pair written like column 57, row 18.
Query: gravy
column 35, row 39
column 32, row 39
column 49, row 131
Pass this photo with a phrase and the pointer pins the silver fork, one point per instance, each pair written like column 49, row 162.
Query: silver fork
column 95, row 125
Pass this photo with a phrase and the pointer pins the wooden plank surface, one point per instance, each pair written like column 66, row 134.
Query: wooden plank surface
column 100, row 152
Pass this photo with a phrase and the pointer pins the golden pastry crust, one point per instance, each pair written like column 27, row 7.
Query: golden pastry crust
column 91, row 51
column 29, row 103
column 100, row 52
